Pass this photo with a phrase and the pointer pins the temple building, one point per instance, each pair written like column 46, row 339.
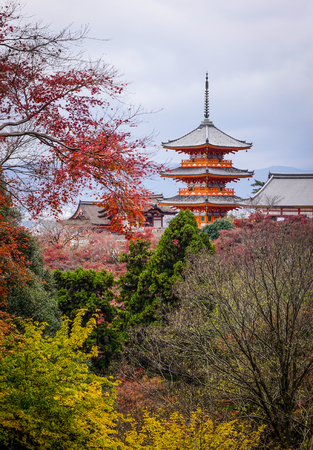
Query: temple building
column 206, row 172
column 89, row 214
column 284, row 194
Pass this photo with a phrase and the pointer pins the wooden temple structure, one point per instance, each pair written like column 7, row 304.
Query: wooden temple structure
column 283, row 195
column 89, row 214
column 206, row 172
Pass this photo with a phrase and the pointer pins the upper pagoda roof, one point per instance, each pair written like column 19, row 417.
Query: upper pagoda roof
column 284, row 190
column 206, row 134
column 213, row 171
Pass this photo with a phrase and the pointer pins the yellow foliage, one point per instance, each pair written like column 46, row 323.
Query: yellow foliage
column 48, row 397
column 49, row 400
column 196, row 434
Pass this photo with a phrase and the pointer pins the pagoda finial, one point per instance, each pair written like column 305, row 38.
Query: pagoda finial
column 206, row 119
column 206, row 97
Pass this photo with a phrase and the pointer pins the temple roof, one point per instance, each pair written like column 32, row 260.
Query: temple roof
column 206, row 134
column 215, row 171
column 194, row 200
column 283, row 190
column 89, row 212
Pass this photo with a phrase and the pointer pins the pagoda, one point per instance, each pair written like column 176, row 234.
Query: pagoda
column 206, row 172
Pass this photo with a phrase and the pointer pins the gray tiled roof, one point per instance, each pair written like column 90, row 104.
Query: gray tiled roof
column 89, row 212
column 217, row 171
column 200, row 199
column 167, row 210
column 206, row 134
column 284, row 189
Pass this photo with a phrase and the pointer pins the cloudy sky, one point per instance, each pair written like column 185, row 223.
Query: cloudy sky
column 259, row 55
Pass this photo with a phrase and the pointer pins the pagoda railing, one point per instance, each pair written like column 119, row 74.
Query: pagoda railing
column 199, row 190
column 199, row 162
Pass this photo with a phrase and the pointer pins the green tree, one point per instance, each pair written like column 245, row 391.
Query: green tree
column 48, row 398
column 92, row 291
column 35, row 298
column 136, row 260
column 257, row 186
column 165, row 267
column 213, row 229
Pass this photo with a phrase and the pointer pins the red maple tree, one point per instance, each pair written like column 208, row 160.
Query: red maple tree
column 13, row 242
column 58, row 132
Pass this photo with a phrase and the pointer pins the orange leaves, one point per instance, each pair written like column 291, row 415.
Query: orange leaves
column 13, row 262
column 59, row 119
column 135, row 396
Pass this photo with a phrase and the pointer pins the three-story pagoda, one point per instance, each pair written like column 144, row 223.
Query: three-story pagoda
column 206, row 172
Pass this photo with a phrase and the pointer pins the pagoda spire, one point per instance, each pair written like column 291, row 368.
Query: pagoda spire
column 206, row 97
column 206, row 119
column 206, row 172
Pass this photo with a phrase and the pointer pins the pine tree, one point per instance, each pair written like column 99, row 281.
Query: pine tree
column 165, row 267
column 257, row 186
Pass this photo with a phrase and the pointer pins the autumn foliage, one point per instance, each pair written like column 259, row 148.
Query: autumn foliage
column 58, row 132
column 197, row 433
column 13, row 242
column 61, row 405
column 93, row 250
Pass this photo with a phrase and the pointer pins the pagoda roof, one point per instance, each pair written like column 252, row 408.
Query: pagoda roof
column 214, row 171
column 284, row 190
column 206, row 134
column 194, row 200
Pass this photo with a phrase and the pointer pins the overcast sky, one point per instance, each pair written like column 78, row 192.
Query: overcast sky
column 259, row 55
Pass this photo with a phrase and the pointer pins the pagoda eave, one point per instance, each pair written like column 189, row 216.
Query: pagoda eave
column 207, row 149
column 214, row 201
column 212, row 209
column 225, row 173
column 213, row 178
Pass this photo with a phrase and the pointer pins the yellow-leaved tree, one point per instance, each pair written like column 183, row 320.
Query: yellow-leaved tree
column 198, row 433
column 48, row 397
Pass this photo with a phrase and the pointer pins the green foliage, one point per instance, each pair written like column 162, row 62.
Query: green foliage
column 257, row 186
column 213, row 229
column 85, row 289
column 165, row 267
column 136, row 260
column 48, row 398
column 36, row 297
column 91, row 291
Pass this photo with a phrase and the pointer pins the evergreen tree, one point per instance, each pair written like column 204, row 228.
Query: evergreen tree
column 213, row 229
column 91, row 291
column 257, row 186
column 136, row 260
column 164, row 268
